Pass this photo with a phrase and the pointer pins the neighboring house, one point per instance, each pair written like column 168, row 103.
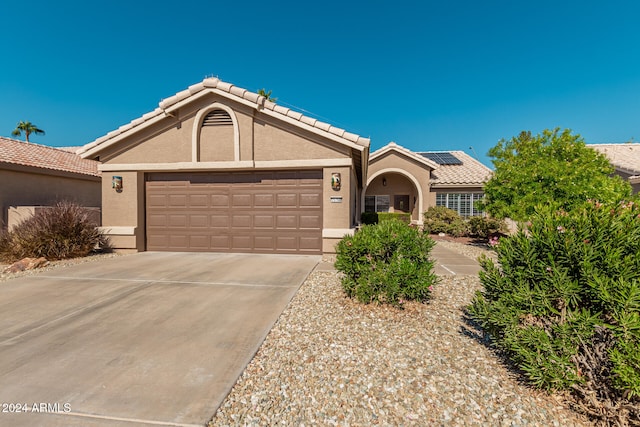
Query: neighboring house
column 37, row 175
column 219, row 168
column 401, row 180
column 625, row 158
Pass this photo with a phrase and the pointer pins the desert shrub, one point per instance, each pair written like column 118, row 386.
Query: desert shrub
column 400, row 216
column 63, row 231
column 485, row 227
column 438, row 219
column 369, row 218
column 563, row 302
column 386, row 263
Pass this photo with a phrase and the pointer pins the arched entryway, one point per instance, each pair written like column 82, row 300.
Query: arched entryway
column 393, row 190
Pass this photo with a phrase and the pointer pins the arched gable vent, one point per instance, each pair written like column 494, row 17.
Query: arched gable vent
column 217, row 118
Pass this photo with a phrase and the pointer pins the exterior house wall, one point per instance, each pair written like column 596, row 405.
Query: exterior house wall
column 123, row 215
column 337, row 215
column 38, row 187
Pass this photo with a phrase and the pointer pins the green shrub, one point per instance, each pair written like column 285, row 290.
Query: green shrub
column 485, row 227
column 400, row 216
column 63, row 231
column 386, row 263
column 439, row 219
column 369, row 218
column 558, row 290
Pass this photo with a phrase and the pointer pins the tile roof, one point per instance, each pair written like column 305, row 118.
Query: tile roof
column 228, row 90
column 470, row 172
column 41, row 156
column 624, row 157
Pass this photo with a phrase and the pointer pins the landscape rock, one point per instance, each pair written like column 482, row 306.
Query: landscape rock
column 26, row 264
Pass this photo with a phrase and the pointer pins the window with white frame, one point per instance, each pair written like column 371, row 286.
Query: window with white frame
column 463, row 203
column 376, row 203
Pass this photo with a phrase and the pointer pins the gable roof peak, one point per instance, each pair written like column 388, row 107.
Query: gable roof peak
column 168, row 106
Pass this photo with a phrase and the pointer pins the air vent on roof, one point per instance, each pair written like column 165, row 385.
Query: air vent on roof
column 217, row 118
column 442, row 158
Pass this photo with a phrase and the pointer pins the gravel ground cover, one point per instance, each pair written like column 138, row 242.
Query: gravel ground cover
column 332, row 361
column 53, row 265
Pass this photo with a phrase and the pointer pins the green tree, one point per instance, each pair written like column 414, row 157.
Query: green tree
column 28, row 128
column 266, row 94
column 554, row 169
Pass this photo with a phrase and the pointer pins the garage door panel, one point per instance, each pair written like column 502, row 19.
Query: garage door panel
column 263, row 200
column 241, row 221
column 263, row 221
column 311, row 200
column 220, row 243
column 199, row 200
column 220, row 200
column 313, row 222
column 287, row 200
column 219, row 220
column 269, row 211
column 198, row 221
column 310, row 244
column 241, row 201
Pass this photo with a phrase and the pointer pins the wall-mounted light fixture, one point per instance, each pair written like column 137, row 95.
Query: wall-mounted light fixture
column 384, row 181
column 116, row 183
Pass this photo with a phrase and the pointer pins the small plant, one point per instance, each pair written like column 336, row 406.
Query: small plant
column 439, row 219
column 563, row 302
column 62, row 231
column 387, row 263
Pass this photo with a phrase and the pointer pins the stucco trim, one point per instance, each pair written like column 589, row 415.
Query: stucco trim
column 197, row 124
column 182, row 166
column 337, row 233
column 306, row 163
column 403, row 172
column 118, row 230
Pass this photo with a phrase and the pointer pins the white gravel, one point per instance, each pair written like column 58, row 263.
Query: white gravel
column 332, row 361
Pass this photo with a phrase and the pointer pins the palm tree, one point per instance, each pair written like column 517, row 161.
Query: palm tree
column 263, row 92
column 28, row 128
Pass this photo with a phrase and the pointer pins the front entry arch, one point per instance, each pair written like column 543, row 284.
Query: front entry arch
column 397, row 181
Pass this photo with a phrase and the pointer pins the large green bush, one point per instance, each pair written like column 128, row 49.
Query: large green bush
column 485, row 227
column 387, row 263
column 563, row 302
column 62, row 231
column 439, row 219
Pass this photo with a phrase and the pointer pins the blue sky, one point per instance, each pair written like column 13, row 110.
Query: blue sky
column 429, row 75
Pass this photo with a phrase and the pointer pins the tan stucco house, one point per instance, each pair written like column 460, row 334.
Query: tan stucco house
column 401, row 180
column 219, row 168
column 33, row 175
column 625, row 158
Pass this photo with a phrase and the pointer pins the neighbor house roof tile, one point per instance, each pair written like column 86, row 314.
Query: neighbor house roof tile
column 41, row 156
column 625, row 156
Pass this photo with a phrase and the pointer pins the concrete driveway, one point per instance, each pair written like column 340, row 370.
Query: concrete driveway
column 139, row 340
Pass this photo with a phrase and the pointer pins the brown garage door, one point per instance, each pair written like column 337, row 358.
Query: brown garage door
column 270, row 212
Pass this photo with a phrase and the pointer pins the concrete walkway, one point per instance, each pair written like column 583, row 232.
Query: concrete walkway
column 141, row 340
column 448, row 262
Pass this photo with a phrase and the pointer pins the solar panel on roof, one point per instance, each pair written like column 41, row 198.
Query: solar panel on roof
column 442, row 158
